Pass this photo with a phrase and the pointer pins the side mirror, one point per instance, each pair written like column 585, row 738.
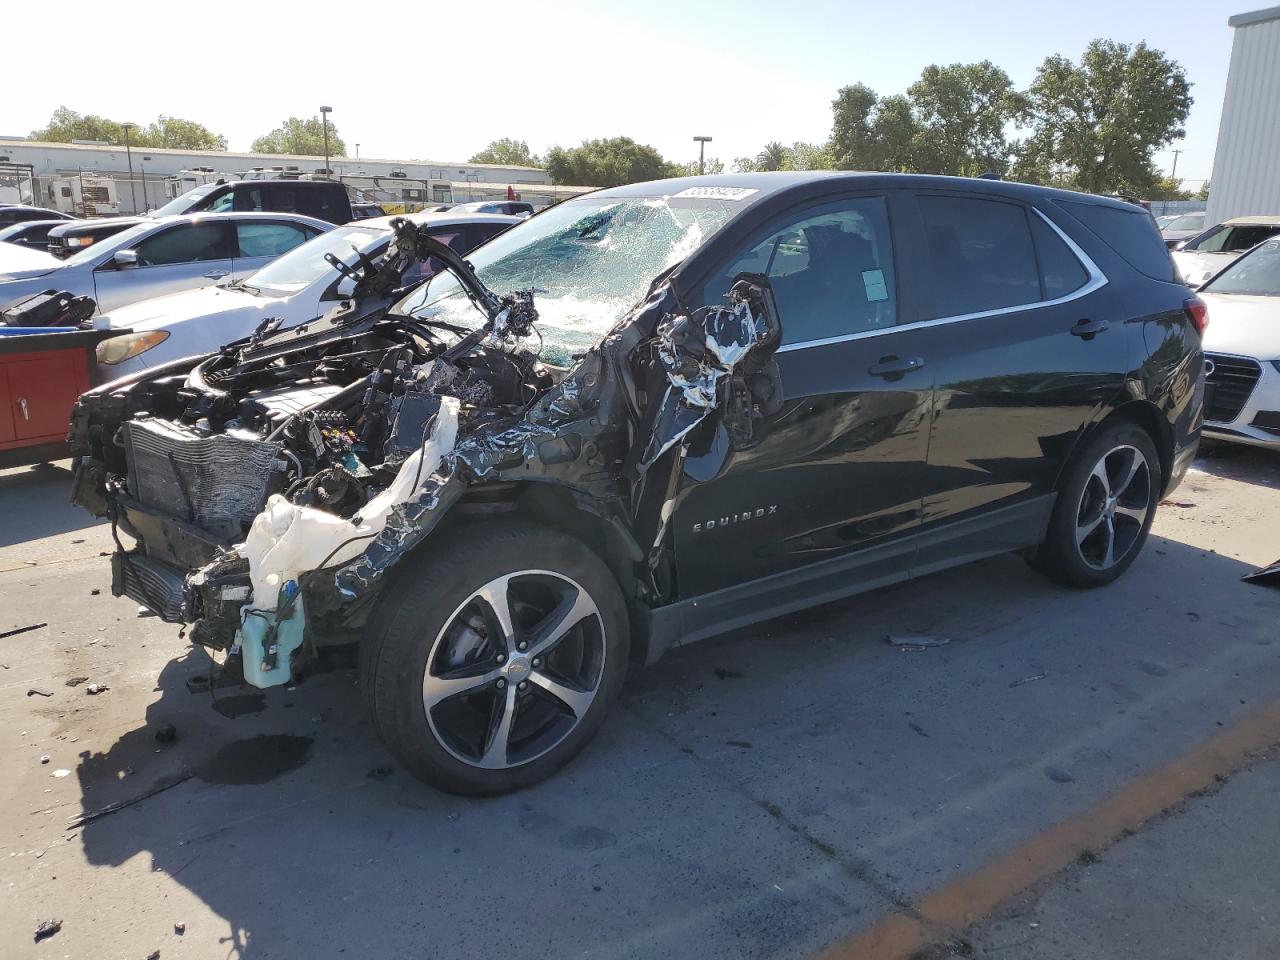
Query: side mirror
column 125, row 259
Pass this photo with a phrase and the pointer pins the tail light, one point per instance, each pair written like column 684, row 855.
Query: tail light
column 1197, row 312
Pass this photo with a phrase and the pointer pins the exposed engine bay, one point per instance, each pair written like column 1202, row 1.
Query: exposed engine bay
column 270, row 487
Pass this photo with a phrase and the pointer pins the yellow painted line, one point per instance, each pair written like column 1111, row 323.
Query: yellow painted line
column 948, row 910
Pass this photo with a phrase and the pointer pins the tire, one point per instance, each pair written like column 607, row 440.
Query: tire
column 1097, row 507
column 501, row 716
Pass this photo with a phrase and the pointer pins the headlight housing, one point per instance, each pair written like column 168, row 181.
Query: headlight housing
column 129, row 345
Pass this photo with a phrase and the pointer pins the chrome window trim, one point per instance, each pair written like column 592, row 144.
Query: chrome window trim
column 1097, row 280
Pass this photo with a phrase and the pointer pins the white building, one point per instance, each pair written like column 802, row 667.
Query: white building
column 1246, row 176
column 152, row 166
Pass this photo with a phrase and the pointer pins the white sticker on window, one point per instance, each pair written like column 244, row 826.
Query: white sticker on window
column 873, row 283
column 715, row 193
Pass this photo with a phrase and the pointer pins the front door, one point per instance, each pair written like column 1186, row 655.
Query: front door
column 180, row 257
column 1025, row 348
column 838, row 466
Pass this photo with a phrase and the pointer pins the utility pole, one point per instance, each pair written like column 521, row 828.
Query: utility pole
column 702, row 146
column 324, row 114
column 1174, row 174
column 133, row 190
column 357, row 151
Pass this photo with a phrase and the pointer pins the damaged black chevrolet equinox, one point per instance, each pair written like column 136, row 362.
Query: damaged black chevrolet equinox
column 642, row 417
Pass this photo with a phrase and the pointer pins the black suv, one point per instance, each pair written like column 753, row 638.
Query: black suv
column 643, row 417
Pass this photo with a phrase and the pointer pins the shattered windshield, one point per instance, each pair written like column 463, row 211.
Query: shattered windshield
column 588, row 262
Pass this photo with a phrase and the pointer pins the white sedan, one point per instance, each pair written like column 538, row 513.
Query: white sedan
column 297, row 287
column 1202, row 256
column 1242, row 349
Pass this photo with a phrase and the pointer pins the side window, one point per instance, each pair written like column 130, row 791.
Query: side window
column 268, row 239
column 479, row 233
column 831, row 269
column 1060, row 270
column 980, row 254
column 249, row 199
column 453, row 238
column 317, row 203
column 185, row 243
column 284, row 199
column 1212, row 241
column 1246, row 238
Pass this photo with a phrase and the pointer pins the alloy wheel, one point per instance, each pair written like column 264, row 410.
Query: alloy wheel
column 514, row 669
column 1113, row 507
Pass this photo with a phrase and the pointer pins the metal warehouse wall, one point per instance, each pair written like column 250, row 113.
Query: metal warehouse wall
column 1246, row 176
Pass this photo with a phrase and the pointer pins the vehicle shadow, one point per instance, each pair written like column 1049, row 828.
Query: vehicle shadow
column 35, row 503
column 674, row 832
column 1236, row 461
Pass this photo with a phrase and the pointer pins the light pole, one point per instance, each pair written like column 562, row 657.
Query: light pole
column 702, row 146
column 324, row 115
column 357, row 151
column 128, row 151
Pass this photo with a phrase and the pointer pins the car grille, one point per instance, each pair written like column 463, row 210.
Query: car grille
column 1232, row 381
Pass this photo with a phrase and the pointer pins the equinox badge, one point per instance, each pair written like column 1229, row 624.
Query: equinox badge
column 755, row 514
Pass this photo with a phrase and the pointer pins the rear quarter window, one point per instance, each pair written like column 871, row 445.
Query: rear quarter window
column 1130, row 233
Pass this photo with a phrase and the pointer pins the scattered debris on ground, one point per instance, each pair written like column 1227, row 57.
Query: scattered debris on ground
column 159, row 787
column 76, row 681
column 916, row 642
column 62, row 772
column 179, row 928
column 94, row 689
column 39, row 692
column 17, row 630
column 726, row 674
column 379, row 773
column 47, row 928
column 167, row 733
column 917, row 728
column 1183, row 504
column 1031, row 679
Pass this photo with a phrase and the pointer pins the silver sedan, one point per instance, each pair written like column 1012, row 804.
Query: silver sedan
column 164, row 256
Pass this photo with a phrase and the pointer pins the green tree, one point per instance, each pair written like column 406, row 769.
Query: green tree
column 1203, row 193
column 870, row 133
column 744, row 165
column 300, row 137
column 710, row 165
column 772, row 157
column 962, row 111
column 67, row 125
column 508, row 152
column 1166, row 188
column 807, row 156
column 605, row 163
column 1095, row 125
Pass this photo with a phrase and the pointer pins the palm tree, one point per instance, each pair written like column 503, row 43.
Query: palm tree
column 772, row 157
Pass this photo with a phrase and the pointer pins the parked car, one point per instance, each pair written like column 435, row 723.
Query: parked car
column 17, row 261
column 1181, row 227
column 643, row 417
column 67, row 240
column 515, row 208
column 21, row 213
column 1205, row 254
column 33, row 234
column 366, row 211
column 296, row 287
column 166, row 255
column 322, row 199
column 1242, row 349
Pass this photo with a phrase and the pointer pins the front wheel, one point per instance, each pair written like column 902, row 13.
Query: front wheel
column 1104, row 509
column 492, row 661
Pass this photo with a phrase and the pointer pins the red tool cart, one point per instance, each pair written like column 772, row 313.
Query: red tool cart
column 42, row 371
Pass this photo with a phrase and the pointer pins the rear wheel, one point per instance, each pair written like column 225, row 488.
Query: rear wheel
column 1104, row 510
column 490, row 663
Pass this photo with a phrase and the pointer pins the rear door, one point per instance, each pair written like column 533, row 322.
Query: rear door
column 258, row 242
column 1026, row 343
column 838, row 466
column 175, row 258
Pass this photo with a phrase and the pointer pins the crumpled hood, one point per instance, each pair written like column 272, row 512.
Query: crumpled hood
column 1197, row 267
column 1243, row 325
column 204, row 304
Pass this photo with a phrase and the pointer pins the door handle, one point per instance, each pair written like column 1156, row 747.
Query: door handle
column 1088, row 329
column 217, row 274
column 893, row 368
column 26, row 413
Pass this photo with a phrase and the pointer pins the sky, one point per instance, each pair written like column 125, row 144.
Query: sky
column 422, row 81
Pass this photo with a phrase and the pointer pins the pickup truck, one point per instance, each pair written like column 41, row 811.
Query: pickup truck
column 321, row 199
